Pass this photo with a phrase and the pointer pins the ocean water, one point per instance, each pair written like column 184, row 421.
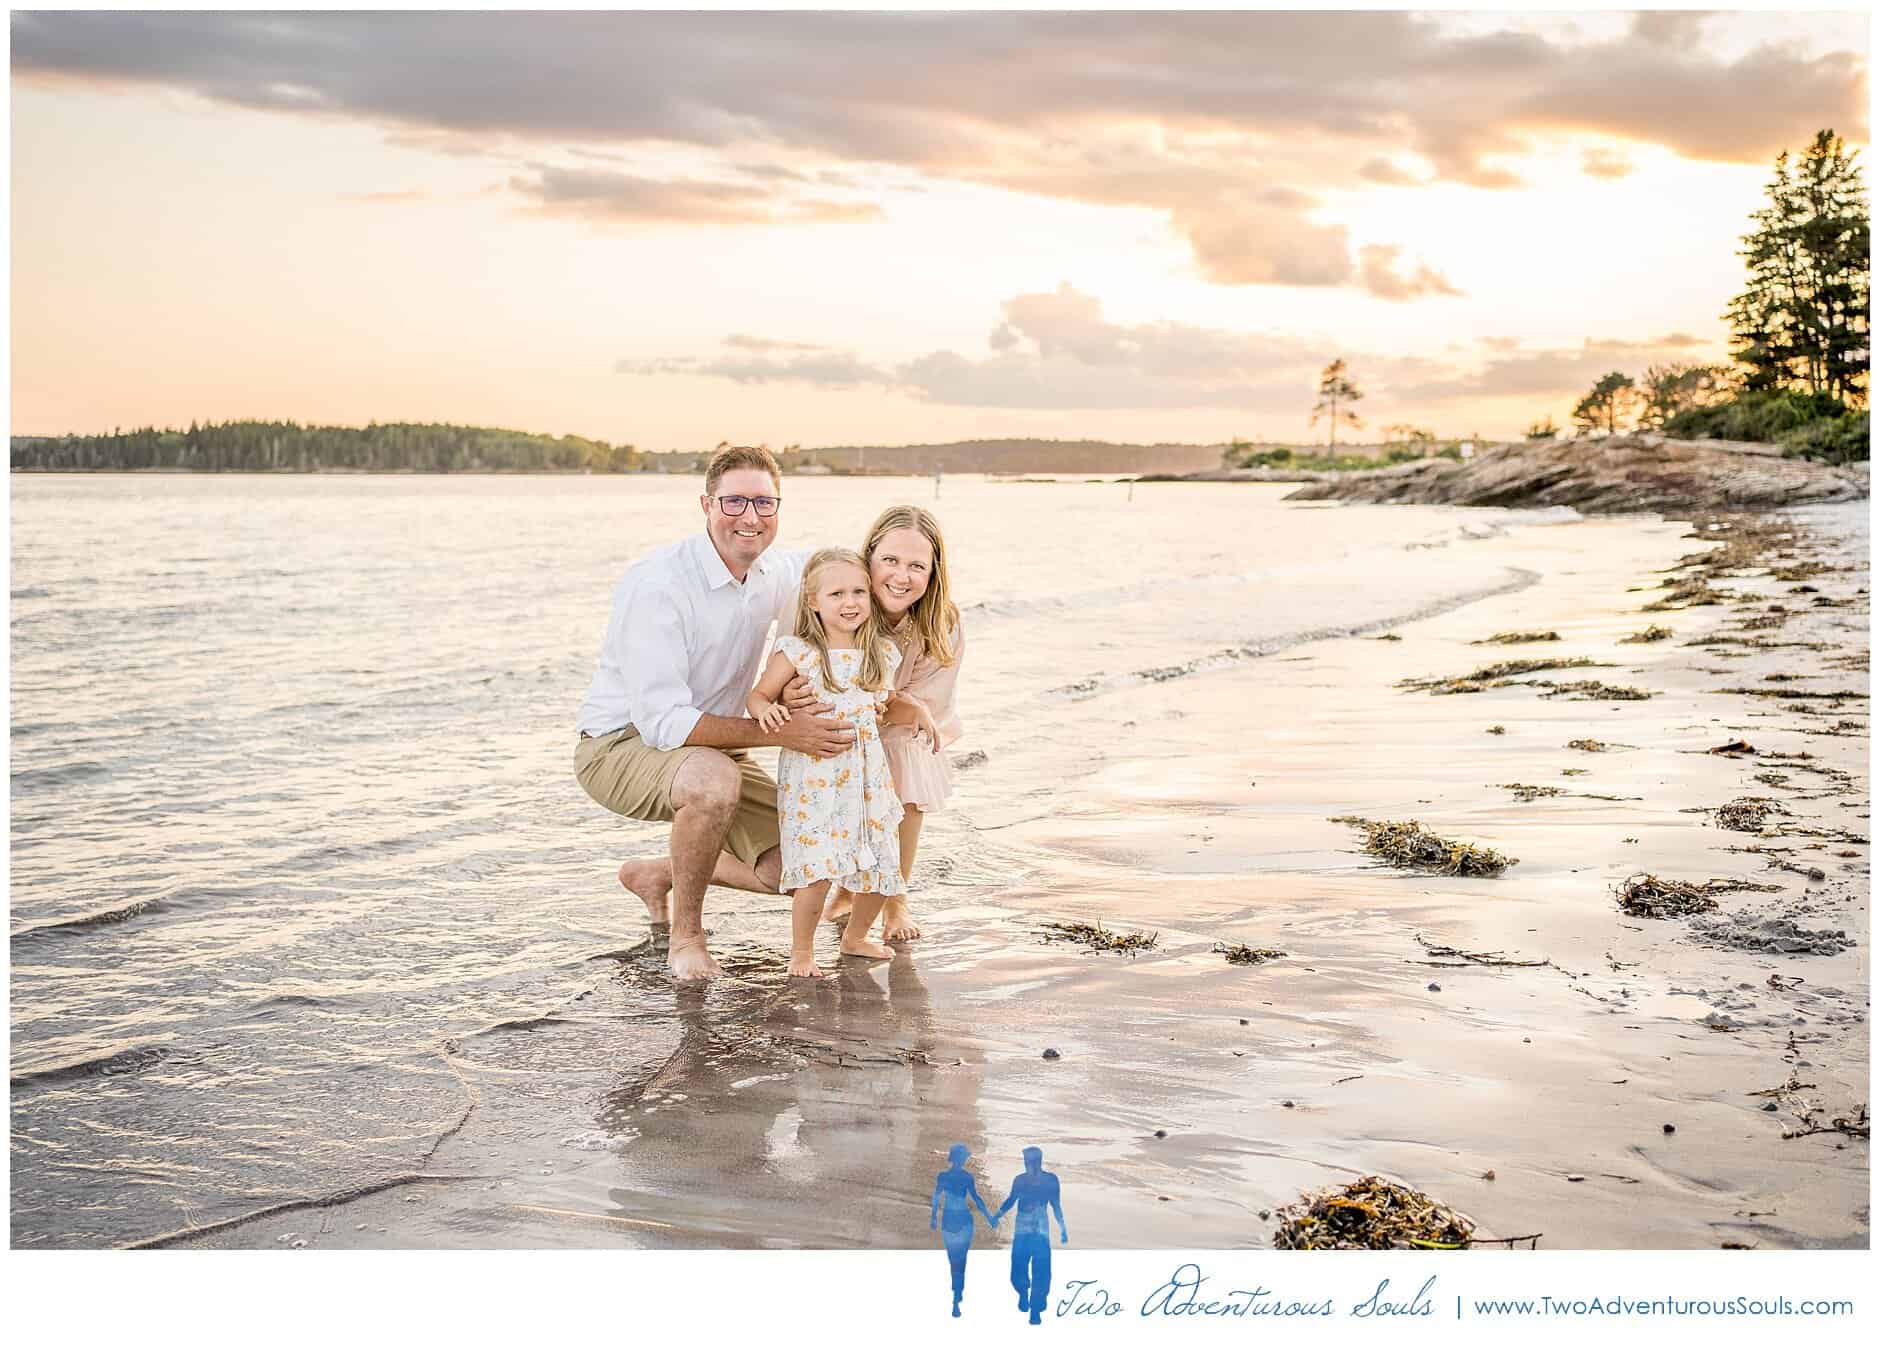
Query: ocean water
column 295, row 845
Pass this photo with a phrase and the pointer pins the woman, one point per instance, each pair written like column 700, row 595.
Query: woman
column 952, row 1189
column 907, row 569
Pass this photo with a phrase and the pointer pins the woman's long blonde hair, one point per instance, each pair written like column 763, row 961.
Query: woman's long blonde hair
column 871, row 637
column 934, row 615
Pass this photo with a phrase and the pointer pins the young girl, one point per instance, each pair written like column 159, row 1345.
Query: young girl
column 838, row 815
column 907, row 566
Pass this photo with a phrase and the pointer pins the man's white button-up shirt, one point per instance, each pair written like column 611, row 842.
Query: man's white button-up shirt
column 684, row 639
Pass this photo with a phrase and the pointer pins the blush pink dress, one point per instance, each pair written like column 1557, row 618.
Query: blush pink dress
column 924, row 777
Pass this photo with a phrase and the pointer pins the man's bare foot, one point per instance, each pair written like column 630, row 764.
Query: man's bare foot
column 866, row 949
column 692, row 962
column 896, row 924
column 804, row 965
column 840, row 904
column 650, row 880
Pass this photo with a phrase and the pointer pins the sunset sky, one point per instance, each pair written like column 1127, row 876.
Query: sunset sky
column 675, row 228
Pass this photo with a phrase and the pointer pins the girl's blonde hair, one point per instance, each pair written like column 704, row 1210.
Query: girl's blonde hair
column 871, row 637
column 934, row 615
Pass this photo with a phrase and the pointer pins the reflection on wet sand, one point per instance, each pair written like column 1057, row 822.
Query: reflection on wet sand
column 778, row 1094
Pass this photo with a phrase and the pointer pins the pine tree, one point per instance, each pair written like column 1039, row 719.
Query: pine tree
column 1802, row 321
column 1610, row 402
column 1335, row 388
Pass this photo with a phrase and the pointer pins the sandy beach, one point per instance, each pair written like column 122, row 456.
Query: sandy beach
column 1615, row 1094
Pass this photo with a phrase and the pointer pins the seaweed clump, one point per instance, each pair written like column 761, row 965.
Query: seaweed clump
column 1409, row 846
column 1490, row 676
column 1099, row 939
column 1686, row 596
column 1747, row 814
column 1592, row 689
column 1247, row 954
column 1527, row 793
column 1661, row 899
column 1372, row 1214
column 1515, row 639
column 1656, row 633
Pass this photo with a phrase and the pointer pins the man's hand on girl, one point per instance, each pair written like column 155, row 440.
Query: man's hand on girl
column 798, row 695
column 815, row 735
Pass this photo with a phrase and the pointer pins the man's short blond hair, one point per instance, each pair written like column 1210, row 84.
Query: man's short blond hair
column 729, row 459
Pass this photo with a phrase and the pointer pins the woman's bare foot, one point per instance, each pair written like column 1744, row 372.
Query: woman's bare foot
column 866, row 949
column 803, row 965
column 839, row 906
column 692, row 962
column 896, row 924
column 650, row 880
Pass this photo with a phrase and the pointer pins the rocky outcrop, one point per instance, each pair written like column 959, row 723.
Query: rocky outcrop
column 1612, row 475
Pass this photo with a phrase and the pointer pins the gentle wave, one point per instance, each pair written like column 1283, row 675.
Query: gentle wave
column 97, row 920
column 122, row 1062
column 57, row 776
column 1518, row 578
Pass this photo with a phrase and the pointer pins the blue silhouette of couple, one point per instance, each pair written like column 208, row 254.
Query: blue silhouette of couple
column 1034, row 1192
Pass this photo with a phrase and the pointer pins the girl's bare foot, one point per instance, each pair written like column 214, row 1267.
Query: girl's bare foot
column 692, row 962
column 896, row 924
column 866, row 949
column 839, row 906
column 803, row 965
column 650, row 880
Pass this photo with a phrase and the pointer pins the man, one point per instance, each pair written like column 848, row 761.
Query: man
column 1034, row 1191
column 661, row 736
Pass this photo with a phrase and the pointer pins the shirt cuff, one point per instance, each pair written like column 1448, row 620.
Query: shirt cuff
column 668, row 731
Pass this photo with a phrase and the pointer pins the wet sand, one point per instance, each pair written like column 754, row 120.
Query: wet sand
column 1197, row 807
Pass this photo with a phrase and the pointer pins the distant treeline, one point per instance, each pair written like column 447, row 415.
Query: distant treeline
column 282, row 446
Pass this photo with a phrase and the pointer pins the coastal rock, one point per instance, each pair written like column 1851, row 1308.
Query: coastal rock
column 1617, row 474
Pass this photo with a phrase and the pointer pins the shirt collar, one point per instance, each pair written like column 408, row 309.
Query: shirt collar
column 716, row 572
column 710, row 563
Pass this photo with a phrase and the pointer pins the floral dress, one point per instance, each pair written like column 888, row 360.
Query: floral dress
column 839, row 816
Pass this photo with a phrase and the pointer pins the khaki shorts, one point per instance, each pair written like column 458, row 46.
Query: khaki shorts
column 625, row 775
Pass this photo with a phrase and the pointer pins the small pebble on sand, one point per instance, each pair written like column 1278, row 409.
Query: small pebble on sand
column 1161, row 1133
column 1671, row 1128
column 1052, row 1054
column 1287, row 1103
column 1435, row 988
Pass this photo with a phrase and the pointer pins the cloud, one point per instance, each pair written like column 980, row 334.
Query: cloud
column 1549, row 372
column 1378, row 272
column 1234, row 125
column 1237, row 241
column 940, row 90
column 763, row 344
column 1058, row 351
column 610, row 196
column 1383, row 170
column 1053, row 351
column 829, row 369
column 1604, row 162
column 1676, row 29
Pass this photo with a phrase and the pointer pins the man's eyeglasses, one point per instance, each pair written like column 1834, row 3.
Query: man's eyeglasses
column 733, row 506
